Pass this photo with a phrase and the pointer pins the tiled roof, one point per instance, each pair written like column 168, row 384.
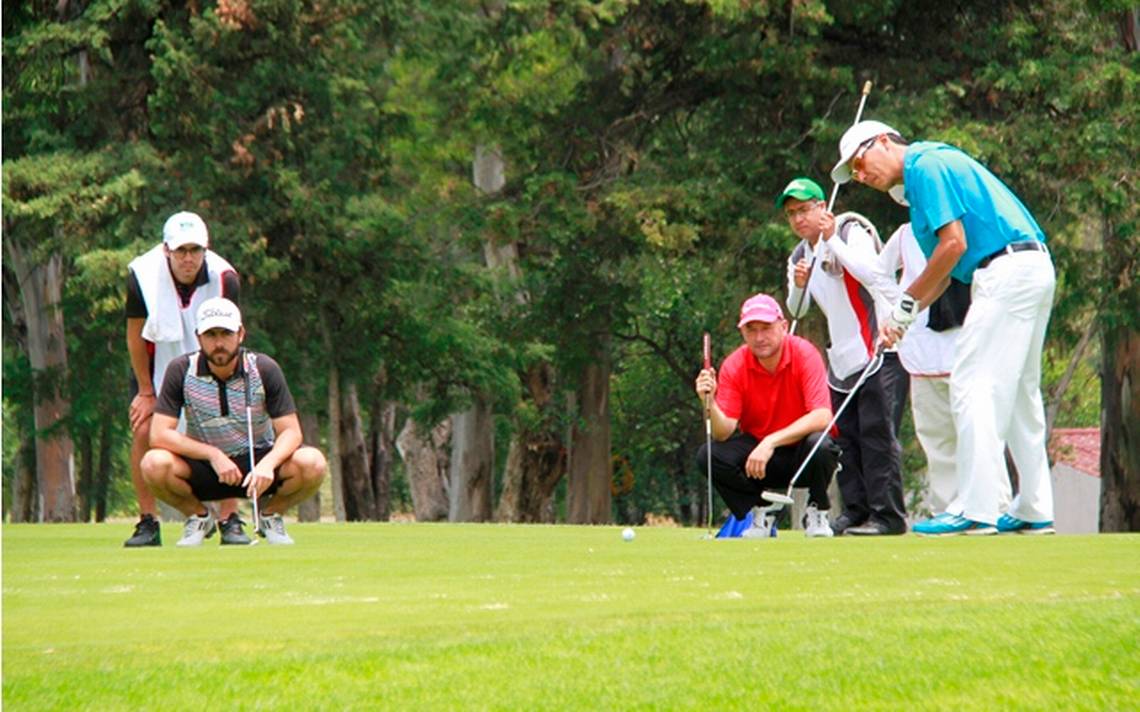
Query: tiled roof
column 1079, row 448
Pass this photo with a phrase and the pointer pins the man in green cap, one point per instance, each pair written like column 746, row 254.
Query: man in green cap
column 834, row 264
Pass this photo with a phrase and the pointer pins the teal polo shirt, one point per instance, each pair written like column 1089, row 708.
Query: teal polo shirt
column 942, row 185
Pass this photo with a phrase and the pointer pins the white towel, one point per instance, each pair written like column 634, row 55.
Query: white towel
column 163, row 320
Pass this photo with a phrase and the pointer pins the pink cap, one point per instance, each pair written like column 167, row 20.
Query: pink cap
column 760, row 307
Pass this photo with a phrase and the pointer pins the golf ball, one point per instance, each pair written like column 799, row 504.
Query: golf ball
column 627, row 534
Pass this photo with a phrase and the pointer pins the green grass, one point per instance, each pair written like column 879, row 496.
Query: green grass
column 419, row 616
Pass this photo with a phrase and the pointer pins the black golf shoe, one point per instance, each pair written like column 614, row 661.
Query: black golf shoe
column 873, row 527
column 233, row 532
column 844, row 522
column 148, row 532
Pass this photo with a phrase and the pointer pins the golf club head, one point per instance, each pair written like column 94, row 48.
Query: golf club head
column 777, row 497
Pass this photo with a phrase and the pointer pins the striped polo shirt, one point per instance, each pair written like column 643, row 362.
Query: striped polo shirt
column 215, row 409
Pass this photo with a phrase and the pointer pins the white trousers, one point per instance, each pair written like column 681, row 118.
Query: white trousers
column 995, row 389
column 938, row 436
column 934, row 426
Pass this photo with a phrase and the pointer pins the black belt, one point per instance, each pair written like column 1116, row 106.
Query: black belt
column 1023, row 246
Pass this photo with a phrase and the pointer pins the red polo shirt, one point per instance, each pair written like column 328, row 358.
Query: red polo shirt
column 765, row 402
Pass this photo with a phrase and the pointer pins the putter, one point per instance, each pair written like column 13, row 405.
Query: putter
column 786, row 498
column 708, row 430
column 830, row 204
column 249, row 436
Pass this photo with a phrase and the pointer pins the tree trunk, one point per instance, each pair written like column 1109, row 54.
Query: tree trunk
column 335, row 469
column 24, row 497
column 310, row 509
column 1120, row 373
column 41, row 287
column 591, row 459
column 426, row 463
column 471, row 472
column 472, row 464
column 536, row 457
column 1120, row 431
column 86, row 488
column 359, row 500
column 103, row 476
column 382, row 440
column 533, row 469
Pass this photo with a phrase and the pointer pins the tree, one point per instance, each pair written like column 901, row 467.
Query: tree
column 1120, row 375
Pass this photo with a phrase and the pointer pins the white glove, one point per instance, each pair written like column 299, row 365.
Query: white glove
column 903, row 315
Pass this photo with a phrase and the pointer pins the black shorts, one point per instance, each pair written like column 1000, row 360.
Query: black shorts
column 206, row 486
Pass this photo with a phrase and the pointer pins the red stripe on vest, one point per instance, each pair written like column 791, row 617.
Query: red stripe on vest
column 852, row 285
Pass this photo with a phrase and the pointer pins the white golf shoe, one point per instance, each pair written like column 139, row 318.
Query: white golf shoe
column 197, row 529
column 763, row 525
column 815, row 522
column 272, row 527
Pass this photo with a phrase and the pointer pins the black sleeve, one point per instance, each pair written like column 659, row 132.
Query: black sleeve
column 278, row 399
column 171, row 396
column 231, row 287
column 136, row 305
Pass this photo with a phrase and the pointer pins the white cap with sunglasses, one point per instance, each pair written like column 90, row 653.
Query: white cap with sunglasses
column 853, row 138
column 850, row 144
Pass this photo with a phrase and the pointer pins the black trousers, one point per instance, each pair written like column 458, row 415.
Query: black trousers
column 741, row 493
column 871, row 478
column 896, row 382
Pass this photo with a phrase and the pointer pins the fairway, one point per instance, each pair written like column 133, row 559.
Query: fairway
column 468, row 616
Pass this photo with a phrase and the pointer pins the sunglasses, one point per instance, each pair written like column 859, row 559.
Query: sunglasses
column 857, row 159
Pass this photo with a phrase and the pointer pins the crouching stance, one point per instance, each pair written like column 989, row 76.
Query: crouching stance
column 234, row 401
column 774, row 387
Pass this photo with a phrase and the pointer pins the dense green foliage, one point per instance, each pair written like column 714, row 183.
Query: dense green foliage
column 329, row 147
column 389, row 616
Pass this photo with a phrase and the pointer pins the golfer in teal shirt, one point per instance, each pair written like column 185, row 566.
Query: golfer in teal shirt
column 942, row 185
column 971, row 226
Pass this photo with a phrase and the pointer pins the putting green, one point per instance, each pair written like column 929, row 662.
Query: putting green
column 366, row 616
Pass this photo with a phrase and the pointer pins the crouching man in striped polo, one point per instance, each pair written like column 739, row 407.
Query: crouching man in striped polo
column 237, row 408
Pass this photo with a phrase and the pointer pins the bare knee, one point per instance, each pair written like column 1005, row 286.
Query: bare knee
column 157, row 466
column 311, row 465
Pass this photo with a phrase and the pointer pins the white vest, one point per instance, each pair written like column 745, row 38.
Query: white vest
column 169, row 326
column 851, row 348
column 922, row 351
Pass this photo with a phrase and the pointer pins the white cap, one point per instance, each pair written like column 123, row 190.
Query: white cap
column 185, row 228
column 218, row 313
column 849, row 144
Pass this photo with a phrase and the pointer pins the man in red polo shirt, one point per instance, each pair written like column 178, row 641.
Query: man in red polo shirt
column 774, row 390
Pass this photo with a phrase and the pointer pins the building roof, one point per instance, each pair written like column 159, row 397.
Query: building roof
column 1079, row 448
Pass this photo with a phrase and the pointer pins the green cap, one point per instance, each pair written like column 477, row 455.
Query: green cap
column 800, row 189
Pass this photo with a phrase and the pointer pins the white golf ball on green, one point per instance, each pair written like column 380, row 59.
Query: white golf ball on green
column 627, row 534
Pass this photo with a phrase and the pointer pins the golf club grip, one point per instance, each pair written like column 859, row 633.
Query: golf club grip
column 708, row 350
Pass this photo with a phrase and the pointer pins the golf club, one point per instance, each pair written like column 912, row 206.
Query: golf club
column 830, row 204
column 249, row 435
column 708, row 429
column 786, row 498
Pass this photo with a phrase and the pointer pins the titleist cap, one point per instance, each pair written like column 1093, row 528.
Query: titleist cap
column 218, row 313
